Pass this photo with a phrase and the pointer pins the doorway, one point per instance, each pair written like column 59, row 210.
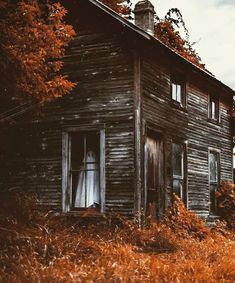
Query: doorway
column 154, row 175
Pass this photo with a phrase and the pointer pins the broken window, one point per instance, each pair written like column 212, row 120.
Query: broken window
column 178, row 157
column 213, row 178
column 214, row 108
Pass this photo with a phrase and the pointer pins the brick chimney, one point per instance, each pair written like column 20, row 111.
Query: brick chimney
column 144, row 16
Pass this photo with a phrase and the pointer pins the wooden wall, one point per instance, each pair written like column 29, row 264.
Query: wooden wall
column 104, row 69
column 190, row 124
column 110, row 76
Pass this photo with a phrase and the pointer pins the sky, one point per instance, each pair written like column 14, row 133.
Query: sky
column 211, row 24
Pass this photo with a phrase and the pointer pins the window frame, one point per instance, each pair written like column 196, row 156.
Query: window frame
column 179, row 81
column 213, row 183
column 66, row 167
column 184, row 177
column 214, row 97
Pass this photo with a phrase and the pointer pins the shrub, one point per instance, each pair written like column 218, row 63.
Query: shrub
column 183, row 222
column 226, row 202
column 43, row 248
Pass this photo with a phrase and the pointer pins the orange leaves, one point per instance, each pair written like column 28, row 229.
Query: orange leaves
column 120, row 6
column 36, row 246
column 185, row 223
column 33, row 41
column 57, row 87
column 166, row 32
column 226, row 202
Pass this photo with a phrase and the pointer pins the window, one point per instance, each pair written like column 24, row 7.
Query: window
column 83, row 170
column 213, row 108
column 213, row 178
column 178, row 165
column 178, row 92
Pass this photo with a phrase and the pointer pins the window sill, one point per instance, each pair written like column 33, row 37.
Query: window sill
column 213, row 121
column 213, row 216
column 84, row 214
column 178, row 106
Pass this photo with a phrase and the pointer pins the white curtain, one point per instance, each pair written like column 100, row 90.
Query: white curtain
column 88, row 187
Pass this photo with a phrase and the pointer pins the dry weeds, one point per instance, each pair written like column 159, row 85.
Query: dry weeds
column 37, row 247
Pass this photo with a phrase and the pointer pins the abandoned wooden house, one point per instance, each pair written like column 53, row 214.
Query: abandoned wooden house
column 142, row 124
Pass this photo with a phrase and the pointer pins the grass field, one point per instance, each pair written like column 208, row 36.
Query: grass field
column 38, row 247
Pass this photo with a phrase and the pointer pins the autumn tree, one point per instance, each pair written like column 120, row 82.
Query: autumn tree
column 167, row 31
column 32, row 44
column 120, row 6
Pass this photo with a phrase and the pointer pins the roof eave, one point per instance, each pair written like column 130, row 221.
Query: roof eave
column 149, row 37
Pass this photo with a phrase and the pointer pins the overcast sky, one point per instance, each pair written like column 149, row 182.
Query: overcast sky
column 211, row 23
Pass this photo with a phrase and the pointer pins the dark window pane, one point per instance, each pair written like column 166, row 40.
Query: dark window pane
column 212, row 205
column 177, row 187
column 177, row 159
column 213, row 163
column 77, row 150
column 214, row 178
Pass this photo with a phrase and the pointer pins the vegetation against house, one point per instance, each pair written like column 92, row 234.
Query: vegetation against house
column 33, row 40
column 38, row 247
column 120, row 6
column 166, row 30
column 225, row 196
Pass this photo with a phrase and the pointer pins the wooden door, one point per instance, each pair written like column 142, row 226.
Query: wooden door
column 154, row 175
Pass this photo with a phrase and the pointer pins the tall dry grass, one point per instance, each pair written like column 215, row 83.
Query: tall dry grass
column 37, row 247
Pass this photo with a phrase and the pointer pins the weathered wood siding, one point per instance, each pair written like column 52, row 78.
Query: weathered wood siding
column 191, row 125
column 31, row 159
column 124, row 84
column 104, row 69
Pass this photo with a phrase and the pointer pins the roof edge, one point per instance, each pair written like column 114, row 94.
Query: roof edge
column 149, row 37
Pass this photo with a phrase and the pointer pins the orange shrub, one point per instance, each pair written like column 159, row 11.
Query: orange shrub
column 226, row 202
column 64, row 249
column 184, row 222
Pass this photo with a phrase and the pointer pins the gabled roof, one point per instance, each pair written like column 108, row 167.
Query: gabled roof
column 134, row 28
